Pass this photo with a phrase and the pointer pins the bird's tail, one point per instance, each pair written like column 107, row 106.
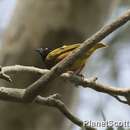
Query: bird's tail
column 97, row 46
column 100, row 45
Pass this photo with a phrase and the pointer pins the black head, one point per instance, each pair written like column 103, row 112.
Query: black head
column 43, row 52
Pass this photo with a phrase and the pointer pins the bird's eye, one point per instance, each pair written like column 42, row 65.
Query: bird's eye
column 46, row 49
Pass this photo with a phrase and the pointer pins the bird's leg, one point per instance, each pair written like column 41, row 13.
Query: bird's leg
column 77, row 72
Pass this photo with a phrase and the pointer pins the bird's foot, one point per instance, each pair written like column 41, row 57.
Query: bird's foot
column 76, row 74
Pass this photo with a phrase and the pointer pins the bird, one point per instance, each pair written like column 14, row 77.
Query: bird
column 52, row 57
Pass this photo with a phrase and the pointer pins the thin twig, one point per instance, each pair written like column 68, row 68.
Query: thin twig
column 4, row 76
column 120, row 100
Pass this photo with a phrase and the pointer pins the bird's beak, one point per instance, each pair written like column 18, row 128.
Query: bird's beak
column 37, row 50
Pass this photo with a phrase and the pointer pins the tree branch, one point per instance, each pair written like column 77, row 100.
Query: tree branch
column 16, row 95
column 62, row 108
column 85, row 83
column 34, row 89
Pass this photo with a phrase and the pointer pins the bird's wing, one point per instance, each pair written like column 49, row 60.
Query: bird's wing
column 62, row 56
column 61, row 50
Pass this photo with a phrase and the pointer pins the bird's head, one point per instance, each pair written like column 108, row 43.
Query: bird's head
column 43, row 52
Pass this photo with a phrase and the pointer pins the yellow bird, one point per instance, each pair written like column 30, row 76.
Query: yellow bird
column 51, row 58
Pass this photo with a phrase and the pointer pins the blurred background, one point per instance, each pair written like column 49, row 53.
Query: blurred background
column 27, row 25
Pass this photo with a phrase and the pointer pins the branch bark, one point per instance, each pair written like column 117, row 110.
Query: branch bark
column 17, row 95
column 85, row 83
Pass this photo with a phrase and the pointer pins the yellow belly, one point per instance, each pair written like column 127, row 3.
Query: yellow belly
column 78, row 64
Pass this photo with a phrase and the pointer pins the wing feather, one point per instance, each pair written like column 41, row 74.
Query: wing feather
column 61, row 50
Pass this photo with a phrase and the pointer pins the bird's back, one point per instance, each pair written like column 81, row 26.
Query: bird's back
column 61, row 50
